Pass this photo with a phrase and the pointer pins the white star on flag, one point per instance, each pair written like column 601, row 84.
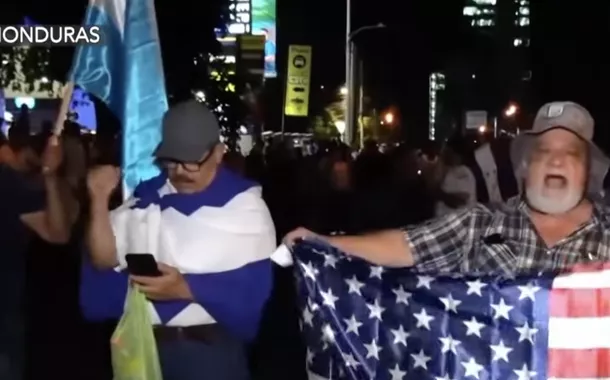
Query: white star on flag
column 330, row 261
column 475, row 287
column 400, row 335
column 310, row 355
column 474, row 327
column 424, row 282
column 402, row 296
column 526, row 332
column 450, row 303
column 501, row 310
column 524, row 373
column 375, row 309
column 329, row 298
column 472, row 368
column 310, row 271
column 350, row 361
column 500, row 351
column 352, row 325
column 397, row 374
column 420, row 360
column 376, row 272
column 372, row 350
column 423, row 319
column 528, row 291
column 354, row 285
column 308, row 317
column 449, row 344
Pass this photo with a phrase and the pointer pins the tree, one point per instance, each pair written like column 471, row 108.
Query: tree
column 222, row 98
column 323, row 127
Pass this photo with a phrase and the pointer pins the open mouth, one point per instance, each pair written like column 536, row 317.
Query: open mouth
column 555, row 181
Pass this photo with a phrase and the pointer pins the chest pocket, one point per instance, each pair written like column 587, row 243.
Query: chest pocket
column 501, row 258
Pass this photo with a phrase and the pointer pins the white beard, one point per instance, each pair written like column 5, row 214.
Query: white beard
column 553, row 205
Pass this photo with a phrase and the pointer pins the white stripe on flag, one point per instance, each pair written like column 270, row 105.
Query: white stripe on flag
column 583, row 280
column 579, row 333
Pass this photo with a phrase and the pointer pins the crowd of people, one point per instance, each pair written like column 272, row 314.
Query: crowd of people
column 329, row 192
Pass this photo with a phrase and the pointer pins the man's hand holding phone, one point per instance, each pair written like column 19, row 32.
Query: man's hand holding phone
column 157, row 281
column 170, row 285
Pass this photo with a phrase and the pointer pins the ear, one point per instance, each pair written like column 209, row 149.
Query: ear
column 219, row 151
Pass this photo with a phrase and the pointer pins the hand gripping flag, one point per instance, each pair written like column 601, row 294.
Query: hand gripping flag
column 366, row 322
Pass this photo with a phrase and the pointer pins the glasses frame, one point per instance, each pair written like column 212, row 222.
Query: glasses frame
column 167, row 164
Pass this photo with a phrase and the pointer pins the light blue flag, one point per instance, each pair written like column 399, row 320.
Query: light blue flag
column 126, row 73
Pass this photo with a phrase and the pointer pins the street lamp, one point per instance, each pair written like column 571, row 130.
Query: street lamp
column 511, row 110
column 350, row 72
column 388, row 118
column 340, row 125
column 343, row 91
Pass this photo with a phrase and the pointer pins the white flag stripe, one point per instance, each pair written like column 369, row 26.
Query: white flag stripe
column 578, row 333
column 583, row 280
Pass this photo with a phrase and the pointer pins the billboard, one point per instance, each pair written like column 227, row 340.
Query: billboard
column 240, row 16
column 263, row 23
column 297, row 83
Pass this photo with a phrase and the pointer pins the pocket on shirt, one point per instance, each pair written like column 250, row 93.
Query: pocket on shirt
column 499, row 258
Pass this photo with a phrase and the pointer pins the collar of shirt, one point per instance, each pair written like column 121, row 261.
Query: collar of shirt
column 513, row 215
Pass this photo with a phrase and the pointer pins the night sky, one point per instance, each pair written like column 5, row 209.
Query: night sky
column 569, row 40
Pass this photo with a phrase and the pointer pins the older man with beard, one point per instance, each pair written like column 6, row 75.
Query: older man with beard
column 556, row 222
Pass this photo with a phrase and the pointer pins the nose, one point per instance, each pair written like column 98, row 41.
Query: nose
column 557, row 159
column 179, row 169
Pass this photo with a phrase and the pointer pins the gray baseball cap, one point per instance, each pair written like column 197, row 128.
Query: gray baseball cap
column 189, row 131
column 569, row 116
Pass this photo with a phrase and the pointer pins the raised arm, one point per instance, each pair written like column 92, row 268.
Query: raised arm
column 53, row 221
column 101, row 241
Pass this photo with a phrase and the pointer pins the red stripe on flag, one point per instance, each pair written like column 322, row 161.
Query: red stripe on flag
column 594, row 267
column 579, row 364
column 579, row 303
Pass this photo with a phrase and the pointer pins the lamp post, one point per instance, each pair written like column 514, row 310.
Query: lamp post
column 340, row 125
column 350, row 73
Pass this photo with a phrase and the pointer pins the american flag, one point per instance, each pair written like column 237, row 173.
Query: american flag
column 366, row 322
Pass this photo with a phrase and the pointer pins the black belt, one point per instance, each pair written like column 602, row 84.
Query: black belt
column 211, row 333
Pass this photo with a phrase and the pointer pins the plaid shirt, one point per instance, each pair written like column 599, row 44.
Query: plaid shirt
column 502, row 239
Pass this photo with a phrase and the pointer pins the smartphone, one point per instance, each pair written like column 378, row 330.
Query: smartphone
column 142, row 264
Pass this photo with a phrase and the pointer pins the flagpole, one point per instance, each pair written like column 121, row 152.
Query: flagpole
column 64, row 108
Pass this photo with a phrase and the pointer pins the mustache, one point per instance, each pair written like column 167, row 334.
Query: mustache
column 181, row 179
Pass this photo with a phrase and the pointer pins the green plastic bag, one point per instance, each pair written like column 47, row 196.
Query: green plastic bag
column 134, row 349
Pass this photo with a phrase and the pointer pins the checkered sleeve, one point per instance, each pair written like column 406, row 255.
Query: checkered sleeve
column 439, row 244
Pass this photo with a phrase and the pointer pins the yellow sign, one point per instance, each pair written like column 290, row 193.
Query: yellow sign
column 298, row 81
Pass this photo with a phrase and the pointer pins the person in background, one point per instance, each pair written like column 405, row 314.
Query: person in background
column 557, row 221
column 211, row 235
column 458, row 186
column 25, row 209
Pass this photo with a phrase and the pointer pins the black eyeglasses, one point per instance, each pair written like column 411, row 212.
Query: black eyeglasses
column 191, row 167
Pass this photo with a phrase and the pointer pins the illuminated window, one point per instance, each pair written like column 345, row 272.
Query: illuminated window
column 471, row 11
column 482, row 22
column 436, row 83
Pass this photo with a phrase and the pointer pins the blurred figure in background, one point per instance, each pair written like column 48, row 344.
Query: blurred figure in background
column 458, row 186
